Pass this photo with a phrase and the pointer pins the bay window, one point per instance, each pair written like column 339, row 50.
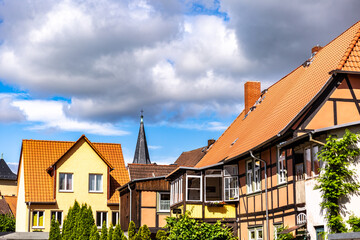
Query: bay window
column 176, row 191
column 231, row 187
column 253, row 178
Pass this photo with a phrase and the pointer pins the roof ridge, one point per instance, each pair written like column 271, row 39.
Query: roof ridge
column 106, row 143
column 349, row 50
column 37, row 140
column 152, row 164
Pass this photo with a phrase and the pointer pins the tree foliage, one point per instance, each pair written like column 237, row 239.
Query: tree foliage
column 69, row 229
column 144, row 232
column 354, row 223
column 94, row 234
column 7, row 223
column 131, row 230
column 337, row 180
column 111, row 232
column 118, row 233
column 161, row 235
column 185, row 227
column 54, row 230
column 103, row 235
column 283, row 236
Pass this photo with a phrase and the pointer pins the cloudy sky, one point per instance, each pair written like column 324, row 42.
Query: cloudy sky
column 77, row 67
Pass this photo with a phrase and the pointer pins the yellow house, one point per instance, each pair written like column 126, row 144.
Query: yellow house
column 53, row 174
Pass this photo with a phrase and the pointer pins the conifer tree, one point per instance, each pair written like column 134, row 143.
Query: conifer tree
column 145, row 233
column 103, row 231
column 94, row 234
column 131, row 230
column 161, row 235
column 118, row 233
column 54, row 230
column 111, row 231
column 70, row 222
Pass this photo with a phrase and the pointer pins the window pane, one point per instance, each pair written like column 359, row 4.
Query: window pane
column 35, row 216
column 213, row 189
column 260, row 234
column 98, row 182
column 193, row 194
column 252, row 235
column 98, row 219
column 62, row 181
column 115, row 218
column 308, row 161
column 41, row 219
column 193, row 182
column 92, row 182
column 69, row 182
column 315, row 160
column 104, row 217
column 59, row 218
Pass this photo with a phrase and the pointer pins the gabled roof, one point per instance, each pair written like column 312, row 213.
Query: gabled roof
column 38, row 155
column 285, row 100
column 191, row 158
column 12, row 202
column 141, row 152
column 5, row 172
column 139, row 171
column 4, row 207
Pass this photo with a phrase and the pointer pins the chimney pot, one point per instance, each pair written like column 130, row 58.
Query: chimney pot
column 315, row 49
column 210, row 142
column 252, row 92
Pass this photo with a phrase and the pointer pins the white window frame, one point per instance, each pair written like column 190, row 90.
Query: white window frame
column 306, row 160
column 176, row 194
column 159, row 202
column 66, row 179
column 37, row 220
column 254, row 184
column 102, row 219
column 231, row 176
column 101, row 184
column 221, row 184
column 56, row 217
column 116, row 218
column 281, row 166
column 187, row 189
column 256, row 230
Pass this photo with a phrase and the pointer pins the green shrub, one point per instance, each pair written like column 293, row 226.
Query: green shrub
column 118, row 233
column 131, row 230
column 354, row 223
column 144, row 232
column 283, row 236
column 94, row 234
column 54, row 230
column 7, row 223
column 161, row 235
column 69, row 229
column 110, row 233
column 103, row 235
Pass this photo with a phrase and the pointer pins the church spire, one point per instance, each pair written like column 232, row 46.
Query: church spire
column 141, row 152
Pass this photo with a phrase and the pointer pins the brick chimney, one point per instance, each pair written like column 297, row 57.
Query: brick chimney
column 252, row 92
column 315, row 49
column 210, row 142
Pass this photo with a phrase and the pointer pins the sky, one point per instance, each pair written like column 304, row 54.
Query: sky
column 89, row 67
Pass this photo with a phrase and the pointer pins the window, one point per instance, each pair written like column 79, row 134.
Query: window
column 38, row 219
column 308, row 161
column 115, row 218
column 281, row 167
column 319, row 232
column 176, row 191
column 95, row 183
column 312, row 165
column 213, row 185
column 65, row 182
column 164, row 202
column 101, row 217
column 58, row 217
column 316, row 165
column 231, row 187
column 256, row 233
column 193, row 188
column 253, row 178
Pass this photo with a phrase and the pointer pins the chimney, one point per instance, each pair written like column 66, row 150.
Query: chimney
column 252, row 92
column 315, row 49
column 210, row 142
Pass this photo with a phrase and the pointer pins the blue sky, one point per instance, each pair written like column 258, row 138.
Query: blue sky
column 69, row 68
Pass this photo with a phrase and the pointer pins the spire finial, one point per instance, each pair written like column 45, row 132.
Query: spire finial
column 142, row 116
column 2, row 155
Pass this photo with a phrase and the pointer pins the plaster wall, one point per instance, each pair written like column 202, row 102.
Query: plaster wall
column 21, row 208
column 8, row 187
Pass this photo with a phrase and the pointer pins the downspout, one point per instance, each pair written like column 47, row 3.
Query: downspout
column 315, row 141
column 29, row 203
column 119, row 209
column 266, row 195
column 130, row 201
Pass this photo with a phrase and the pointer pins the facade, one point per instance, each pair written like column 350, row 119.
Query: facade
column 53, row 174
column 259, row 175
column 146, row 198
column 8, row 184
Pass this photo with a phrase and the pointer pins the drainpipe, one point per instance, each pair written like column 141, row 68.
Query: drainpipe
column 266, row 195
column 29, row 203
column 130, row 200
column 315, row 141
column 119, row 208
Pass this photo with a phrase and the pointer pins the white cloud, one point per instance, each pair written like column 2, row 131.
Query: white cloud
column 153, row 147
column 8, row 111
column 50, row 115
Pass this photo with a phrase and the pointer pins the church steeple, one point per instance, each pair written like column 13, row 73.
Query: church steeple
column 141, row 152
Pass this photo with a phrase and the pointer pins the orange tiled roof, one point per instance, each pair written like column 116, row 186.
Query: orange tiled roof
column 38, row 155
column 285, row 99
column 11, row 201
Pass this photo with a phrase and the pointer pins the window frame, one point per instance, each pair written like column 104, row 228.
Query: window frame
column 176, row 191
column 253, row 186
column 281, row 167
column 159, row 202
column 102, row 219
column 231, row 176
column 37, row 219
column 218, row 175
column 117, row 215
column 56, row 217
column 256, row 230
column 101, row 184
column 187, row 188
column 313, row 158
column 66, row 179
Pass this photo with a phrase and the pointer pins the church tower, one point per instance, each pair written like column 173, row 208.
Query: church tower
column 141, row 152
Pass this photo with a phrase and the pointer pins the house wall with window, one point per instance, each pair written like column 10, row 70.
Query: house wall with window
column 75, row 171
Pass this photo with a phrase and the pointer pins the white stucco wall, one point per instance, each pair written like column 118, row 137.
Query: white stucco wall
column 21, row 208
